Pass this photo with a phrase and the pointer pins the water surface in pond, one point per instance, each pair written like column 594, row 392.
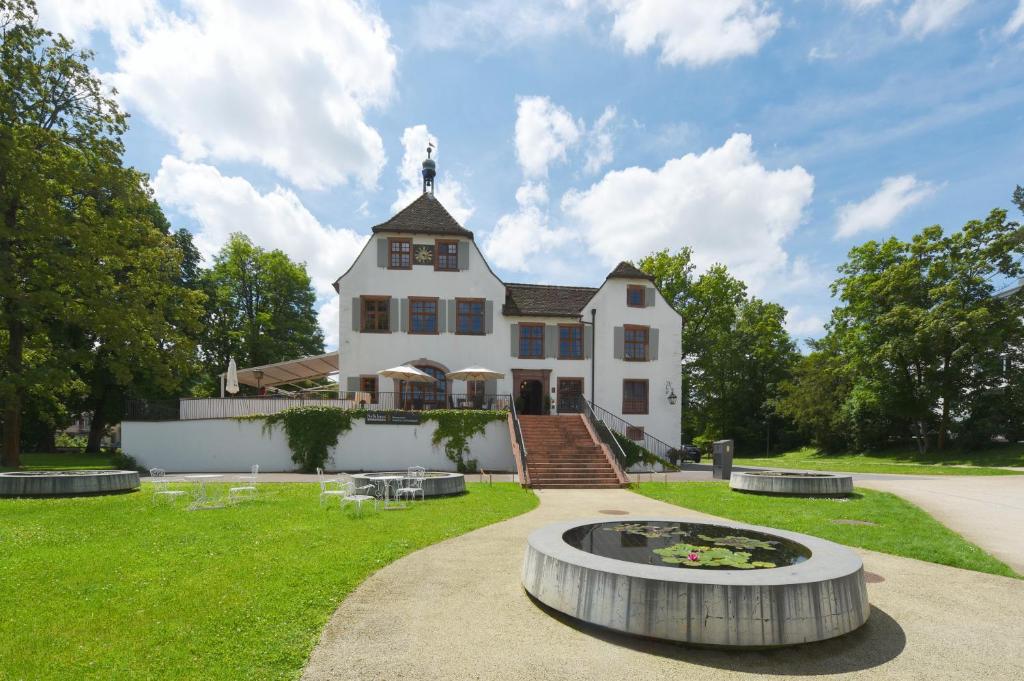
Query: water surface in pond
column 686, row 545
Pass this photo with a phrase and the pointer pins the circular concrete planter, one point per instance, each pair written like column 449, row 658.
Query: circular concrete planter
column 436, row 484
column 823, row 597
column 66, row 483
column 794, row 484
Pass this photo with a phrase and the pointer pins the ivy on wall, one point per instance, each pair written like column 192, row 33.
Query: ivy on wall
column 312, row 431
column 637, row 454
column 455, row 427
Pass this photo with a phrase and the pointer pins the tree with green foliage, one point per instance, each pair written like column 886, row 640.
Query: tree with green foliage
column 59, row 132
column 88, row 276
column 918, row 345
column 260, row 309
column 735, row 350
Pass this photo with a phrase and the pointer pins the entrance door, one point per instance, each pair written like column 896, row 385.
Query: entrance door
column 532, row 394
column 570, row 395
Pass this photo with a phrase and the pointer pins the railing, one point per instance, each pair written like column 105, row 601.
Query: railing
column 186, row 409
column 519, row 445
column 660, row 449
column 605, row 435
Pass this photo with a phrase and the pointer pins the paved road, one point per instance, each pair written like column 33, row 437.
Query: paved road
column 988, row 511
column 456, row 610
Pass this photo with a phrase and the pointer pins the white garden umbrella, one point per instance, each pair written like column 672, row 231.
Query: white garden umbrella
column 232, row 379
column 475, row 374
column 404, row 372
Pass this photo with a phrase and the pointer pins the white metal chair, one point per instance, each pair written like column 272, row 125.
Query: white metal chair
column 236, row 492
column 413, row 484
column 351, row 496
column 325, row 483
column 162, row 486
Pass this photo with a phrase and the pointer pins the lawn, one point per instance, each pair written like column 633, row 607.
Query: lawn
column 900, row 528
column 979, row 462
column 115, row 587
column 63, row 461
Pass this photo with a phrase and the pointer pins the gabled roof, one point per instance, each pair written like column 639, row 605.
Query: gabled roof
column 425, row 215
column 546, row 301
column 627, row 270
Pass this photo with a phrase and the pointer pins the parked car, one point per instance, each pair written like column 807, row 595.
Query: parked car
column 690, row 453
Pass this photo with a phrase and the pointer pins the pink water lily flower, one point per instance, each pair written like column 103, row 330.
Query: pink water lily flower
column 693, row 556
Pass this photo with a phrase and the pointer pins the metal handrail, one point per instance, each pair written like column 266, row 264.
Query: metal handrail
column 658, row 448
column 233, row 407
column 520, row 441
column 605, row 434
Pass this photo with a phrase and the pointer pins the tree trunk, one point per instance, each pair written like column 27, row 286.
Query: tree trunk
column 943, row 425
column 98, row 425
column 12, row 407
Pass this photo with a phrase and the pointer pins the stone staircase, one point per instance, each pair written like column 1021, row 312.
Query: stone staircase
column 561, row 453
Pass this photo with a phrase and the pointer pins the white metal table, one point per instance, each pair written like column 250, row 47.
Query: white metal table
column 386, row 481
column 201, row 499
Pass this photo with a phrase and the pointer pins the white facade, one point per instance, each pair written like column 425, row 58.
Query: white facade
column 233, row 446
column 363, row 352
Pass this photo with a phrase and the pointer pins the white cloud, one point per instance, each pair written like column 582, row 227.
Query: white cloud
column 519, row 236
column 448, row 190
column 78, row 20
column 485, row 24
column 285, row 85
column 803, row 323
column 693, row 33
column 861, row 5
column 221, row 205
column 724, row 203
column 881, row 209
column 601, row 146
column 1016, row 21
column 544, row 133
column 927, row 16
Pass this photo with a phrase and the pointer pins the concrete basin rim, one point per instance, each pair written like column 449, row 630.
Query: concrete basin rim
column 828, row 561
column 65, row 474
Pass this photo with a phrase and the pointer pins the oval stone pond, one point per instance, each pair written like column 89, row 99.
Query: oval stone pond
column 728, row 584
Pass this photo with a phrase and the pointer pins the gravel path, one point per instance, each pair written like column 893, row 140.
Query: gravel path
column 456, row 610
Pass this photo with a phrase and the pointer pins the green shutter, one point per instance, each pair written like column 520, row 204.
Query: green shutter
column 652, row 339
column 551, row 340
column 382, row 252
column 357, row 314
column 393, row 315
column 442, row 316
column 489, row 316
column 588, row 341
column 515, row 340
column 620, row 342
column 403, row 320
column 649, row 295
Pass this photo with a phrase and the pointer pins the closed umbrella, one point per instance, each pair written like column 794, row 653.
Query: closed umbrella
column 232, row 380
column 475, row 374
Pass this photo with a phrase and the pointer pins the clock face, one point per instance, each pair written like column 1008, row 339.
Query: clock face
column 424, row 255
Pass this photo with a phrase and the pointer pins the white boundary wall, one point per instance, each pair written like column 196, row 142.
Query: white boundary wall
column 229, row 446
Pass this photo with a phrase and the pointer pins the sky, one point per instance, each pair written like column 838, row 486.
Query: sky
column 768, row 135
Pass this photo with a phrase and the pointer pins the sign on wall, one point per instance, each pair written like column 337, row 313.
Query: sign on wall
column 399, row 418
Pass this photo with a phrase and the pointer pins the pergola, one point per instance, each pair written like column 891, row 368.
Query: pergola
column 287, row 373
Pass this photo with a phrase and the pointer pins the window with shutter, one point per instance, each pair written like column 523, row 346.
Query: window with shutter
column 469, row 316
column 446, row 256
column 399, row 254
column 376, row 314
column 635, row 296
column 634, row 396
column 636, row 340
column 531, row 341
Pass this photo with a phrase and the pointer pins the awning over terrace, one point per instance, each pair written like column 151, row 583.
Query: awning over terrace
column 292, row 371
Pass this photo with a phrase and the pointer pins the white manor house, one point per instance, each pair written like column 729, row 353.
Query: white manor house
column 421, row 293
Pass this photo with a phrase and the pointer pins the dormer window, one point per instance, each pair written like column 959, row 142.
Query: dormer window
column 446, row 256
column 635, row 296
column 399, row 254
